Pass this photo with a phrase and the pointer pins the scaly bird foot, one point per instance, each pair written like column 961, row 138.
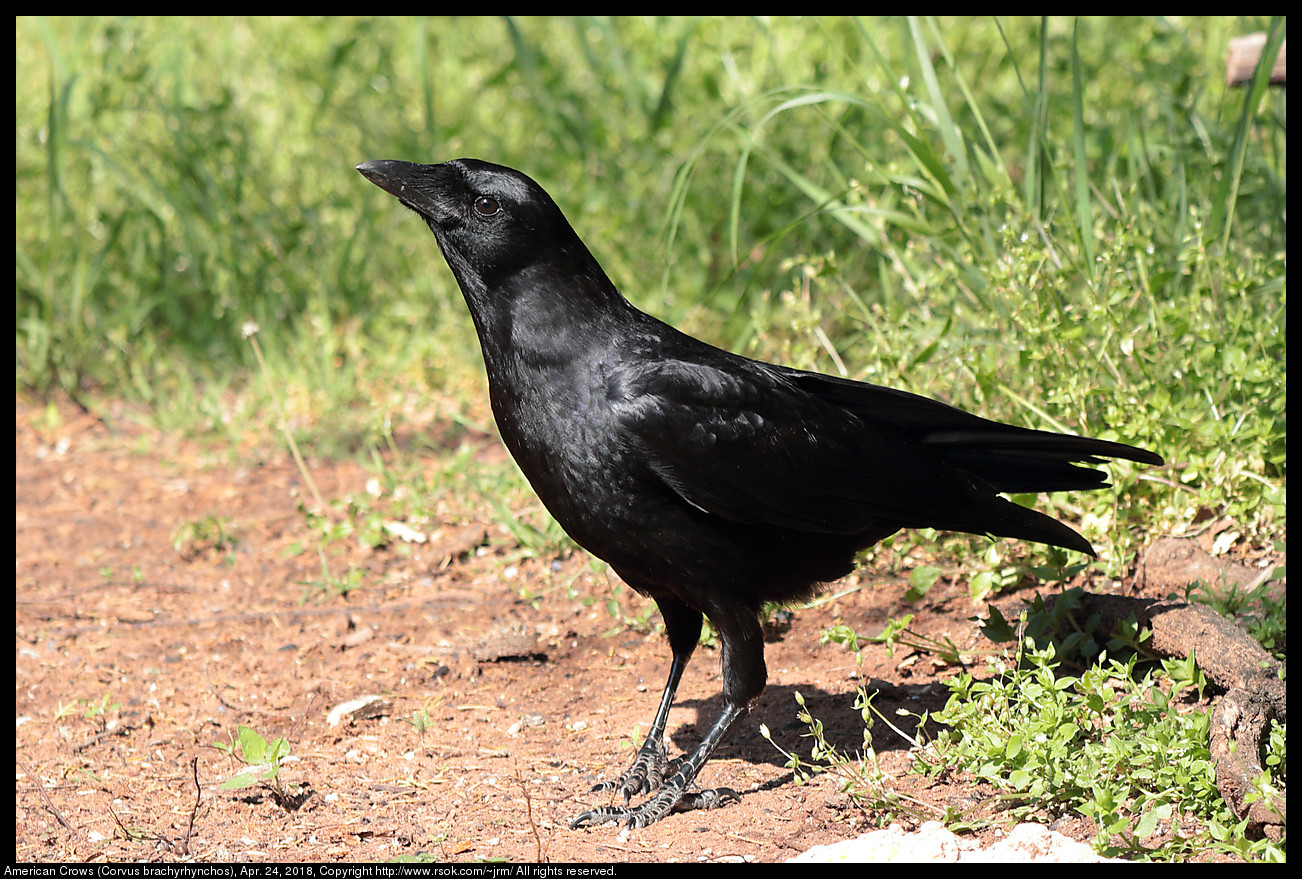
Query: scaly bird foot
column 669, row 798
column 649, row 770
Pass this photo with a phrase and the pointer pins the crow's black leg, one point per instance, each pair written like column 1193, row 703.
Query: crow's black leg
column 683, row 627
column 744, row 675
column 648, row 769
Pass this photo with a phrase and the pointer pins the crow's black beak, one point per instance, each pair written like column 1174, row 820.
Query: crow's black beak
column 389, row 175
column 413, row 185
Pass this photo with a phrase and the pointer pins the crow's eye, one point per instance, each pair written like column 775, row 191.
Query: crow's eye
column 487, row 206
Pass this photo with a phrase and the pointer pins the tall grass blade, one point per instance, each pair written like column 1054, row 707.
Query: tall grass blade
column 1084, row 209
column 950, row 135
column 1222, row 218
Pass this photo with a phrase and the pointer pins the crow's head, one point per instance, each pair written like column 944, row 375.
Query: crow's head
column 490, row 221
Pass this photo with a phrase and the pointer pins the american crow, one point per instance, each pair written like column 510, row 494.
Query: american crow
column 712, row 483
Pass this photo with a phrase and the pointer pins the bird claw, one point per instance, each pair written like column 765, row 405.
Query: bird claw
column 667, row 801
column 647, row 773
column 702, row 800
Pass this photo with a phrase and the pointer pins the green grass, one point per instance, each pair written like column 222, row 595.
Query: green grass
column 1063, row 223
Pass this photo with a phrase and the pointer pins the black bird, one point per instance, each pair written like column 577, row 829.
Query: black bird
column 710, row 482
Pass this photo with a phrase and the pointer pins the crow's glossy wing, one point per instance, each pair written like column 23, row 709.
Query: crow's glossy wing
column 742, row 441
column 758, row 443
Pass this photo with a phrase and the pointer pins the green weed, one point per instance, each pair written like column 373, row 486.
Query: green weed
column 264, row 761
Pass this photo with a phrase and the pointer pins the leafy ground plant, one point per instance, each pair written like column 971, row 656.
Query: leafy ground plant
column 1114, row 745
column 264, row 760
column 861, row 778
column 1124, row 748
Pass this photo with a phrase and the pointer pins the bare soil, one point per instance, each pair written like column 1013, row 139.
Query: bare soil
column 134, row 658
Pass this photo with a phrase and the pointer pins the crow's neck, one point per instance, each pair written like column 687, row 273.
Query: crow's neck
column 548, row 314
